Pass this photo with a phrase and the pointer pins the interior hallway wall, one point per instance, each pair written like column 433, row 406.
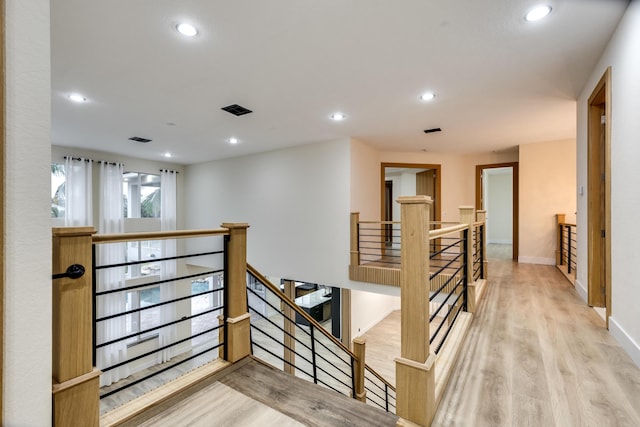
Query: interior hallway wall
column 622, row 56
column 27, row 239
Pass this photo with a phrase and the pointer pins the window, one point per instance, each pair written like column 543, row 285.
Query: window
column 140, row 251
column 145, row 319
column 57, row 190
column 141, row 192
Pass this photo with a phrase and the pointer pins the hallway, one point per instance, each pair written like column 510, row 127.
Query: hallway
column 537, row 355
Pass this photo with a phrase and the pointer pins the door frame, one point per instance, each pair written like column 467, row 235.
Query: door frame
column 438, row 198
column 515, row 198
column 601, row 95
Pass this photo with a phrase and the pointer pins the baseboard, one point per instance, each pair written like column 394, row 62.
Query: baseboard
column 536, row 260
column 363, row 330
column 582, row 290
column 626, row 342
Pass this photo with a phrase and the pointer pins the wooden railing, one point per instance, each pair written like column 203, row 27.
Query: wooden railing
column 566, row 247
column 75, row 378
column 287, row 338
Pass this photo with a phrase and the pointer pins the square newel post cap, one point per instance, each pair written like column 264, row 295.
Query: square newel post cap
column 414, row 200
column 231, row 225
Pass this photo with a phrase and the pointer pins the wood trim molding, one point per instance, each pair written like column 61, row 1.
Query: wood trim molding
column 438, row 198
column 516, row 197
column 2, row 181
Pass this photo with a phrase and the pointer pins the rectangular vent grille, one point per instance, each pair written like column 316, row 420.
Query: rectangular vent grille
column 432, row 130
column 139, row 139
column 236, row 110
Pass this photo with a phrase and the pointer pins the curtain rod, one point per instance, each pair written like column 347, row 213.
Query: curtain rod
column 91, row 160
column 168, row 171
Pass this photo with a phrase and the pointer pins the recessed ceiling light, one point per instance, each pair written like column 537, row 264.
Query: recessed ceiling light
column 168, row 154
column 76, row 97
column 427, row 96
column 337, row 117
column 232, row 140
column 537, row 13
column 186, row 29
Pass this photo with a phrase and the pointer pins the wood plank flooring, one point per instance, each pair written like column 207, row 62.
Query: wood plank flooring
column 537, row 355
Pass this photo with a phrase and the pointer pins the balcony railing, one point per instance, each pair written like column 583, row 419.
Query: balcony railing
column 566, row 251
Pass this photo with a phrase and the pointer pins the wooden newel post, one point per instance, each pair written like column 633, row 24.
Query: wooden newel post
column 238, row 338
column 359, row 345
column 560, row 219
column 355, row 251
column 415, row 380
column 289, row 329
column 76, row 382
column 468, row 216
column 481, row 216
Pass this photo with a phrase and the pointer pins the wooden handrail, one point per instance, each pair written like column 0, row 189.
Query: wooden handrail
column 478, row 223
column 378, row 376
column 157, row 235
column 566, row 223
column 433, row 234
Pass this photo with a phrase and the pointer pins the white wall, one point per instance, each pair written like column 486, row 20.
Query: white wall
column 498, row 199
column 27, row 241
column 295, row 200
column 547, row 187
column 371, row 308
column 622, row 55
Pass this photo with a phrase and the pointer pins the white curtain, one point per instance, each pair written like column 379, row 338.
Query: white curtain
column 78, row 188
column 111, row 222
column 168, row 334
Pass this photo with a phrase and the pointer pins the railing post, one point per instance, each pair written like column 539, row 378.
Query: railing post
column 355, row 246
column 560, row 218
column 76, row 382
column 359, row 345
column 468, row 216
column 289, row 329
column 481, row 216
column 568, row 227
column 415, row 380
column 238, row 326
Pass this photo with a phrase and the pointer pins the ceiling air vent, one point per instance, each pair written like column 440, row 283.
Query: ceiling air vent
column 139, row 139
column 432, row 130
column 236, row 110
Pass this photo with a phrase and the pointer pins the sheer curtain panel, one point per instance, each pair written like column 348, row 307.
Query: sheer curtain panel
column 111, row 222
column 168, row 334
column 78, row 187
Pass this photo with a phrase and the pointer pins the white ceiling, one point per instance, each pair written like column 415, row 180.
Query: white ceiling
column 499, row 80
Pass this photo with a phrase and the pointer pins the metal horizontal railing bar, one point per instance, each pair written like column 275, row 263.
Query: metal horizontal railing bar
column 160, row 371
column 446, row 333
column 441, row 251
column 157, row 235
column 379, row 254
column 446, row 266
column 369, row 390
column 157, row 282
column 149, row 307
column 433, row 234
column 380, row 222
column 332, row 376
column 159, row 349
column 378, row 376
column 326, row 360
column 282, row 329
column 155, row 328
column 297, row 309
column 145, row 261
column 442, row 304
column 282, row 359
column 300, row 328
column 272, row 338
column 372, row 383
column 567, row 224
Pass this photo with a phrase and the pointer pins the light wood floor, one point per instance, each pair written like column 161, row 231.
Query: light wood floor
column 537, row 355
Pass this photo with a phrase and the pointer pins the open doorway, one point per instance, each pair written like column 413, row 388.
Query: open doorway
column 599, row 196
column 492, row 181
column 409, row 179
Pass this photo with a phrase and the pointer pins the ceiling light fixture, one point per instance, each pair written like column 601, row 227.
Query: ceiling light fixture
column 338, row 117
column 76, row 97
column 537, row 13
column 232, row 140
column 186, row 29
column 168, row 154
column 427, row 96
